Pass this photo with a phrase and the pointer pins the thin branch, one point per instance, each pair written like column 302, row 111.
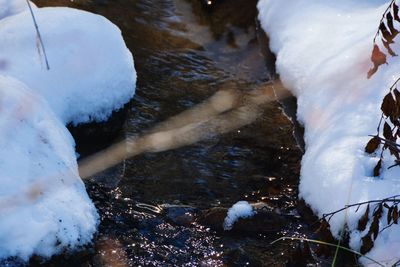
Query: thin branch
column 38, row 34
column 388, row 142
column 394, row 84
column 393, row 199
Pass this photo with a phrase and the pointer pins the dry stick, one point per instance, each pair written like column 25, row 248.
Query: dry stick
column 38, row 35
column 169, row 136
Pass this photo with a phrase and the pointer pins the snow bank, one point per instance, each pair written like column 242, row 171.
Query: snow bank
column 241, row 209
column 323, row 53
column 12, row 7
column 44, row 207
column 91, row 70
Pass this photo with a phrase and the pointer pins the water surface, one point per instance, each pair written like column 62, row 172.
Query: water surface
column 183, row 54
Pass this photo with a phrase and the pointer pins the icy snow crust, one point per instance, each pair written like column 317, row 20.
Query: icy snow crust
column 91, row 70
column 44, row 208
column 241, row 209
column 323, row 53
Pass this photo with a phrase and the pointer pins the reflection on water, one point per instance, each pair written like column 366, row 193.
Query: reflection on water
column 148, row 204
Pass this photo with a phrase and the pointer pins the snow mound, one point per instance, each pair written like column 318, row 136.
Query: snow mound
column 12, row 7
column 44, row 207
column 323, row 53
column 91, row 70
column 241, row 209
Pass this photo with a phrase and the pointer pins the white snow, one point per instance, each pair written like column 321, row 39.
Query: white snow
column 323, row 53
column 91, row 70
column 12, row 7
column 44, row 208
column 241, row 209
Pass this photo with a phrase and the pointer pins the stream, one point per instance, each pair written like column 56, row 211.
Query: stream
column 184, row 52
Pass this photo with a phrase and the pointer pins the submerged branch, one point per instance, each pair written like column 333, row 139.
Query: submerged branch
column 224, row 112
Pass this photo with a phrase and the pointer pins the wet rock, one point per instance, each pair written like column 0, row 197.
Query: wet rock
column 306, row 213
column 265, row 220
column 94, row 136
column 213, row 218
column 300, row 256
column 180, row 215
column 238, row 257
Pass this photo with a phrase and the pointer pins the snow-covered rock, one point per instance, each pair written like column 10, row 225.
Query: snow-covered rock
column 91, row 70
column 12, row 7
column 241, row 209
column 323, row 53
column 44, row 207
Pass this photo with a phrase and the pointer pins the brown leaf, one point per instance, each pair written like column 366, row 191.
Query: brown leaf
column 324, row 232
column 387, row 131
column 394, row 152
column 378, row 58
column 362, row 223
column 395, row 215
column 372, row 145
column 367, row 244
column 396, row 112
column 378, row 211
column 374, row 228
column 395, row 116
column 396, row 12
column 388, row 48
column 389, row 216
column 372, row 71
column 388, row 105
column 392, row 29
column 377, row 168
column 385, row 33
column 323, row 226
column 397, row 96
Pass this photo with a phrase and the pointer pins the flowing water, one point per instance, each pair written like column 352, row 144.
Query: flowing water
column 184, row 52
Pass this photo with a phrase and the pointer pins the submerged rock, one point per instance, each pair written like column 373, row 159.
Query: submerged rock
column 180, row 215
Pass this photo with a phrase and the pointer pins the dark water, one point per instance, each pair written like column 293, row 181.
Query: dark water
column 183, row 54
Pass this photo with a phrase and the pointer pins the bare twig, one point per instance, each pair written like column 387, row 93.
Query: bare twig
column 38, row 35
column 394, row 199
